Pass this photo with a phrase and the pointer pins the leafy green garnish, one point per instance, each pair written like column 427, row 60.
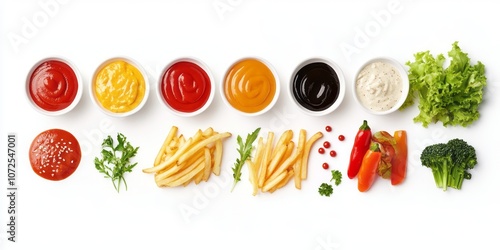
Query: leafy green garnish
column 452, row 95
column 325, row 189
column 245, row 151
column 337, row 176
column 115, row 160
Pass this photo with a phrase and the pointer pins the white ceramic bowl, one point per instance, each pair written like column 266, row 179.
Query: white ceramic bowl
column 341, row 86
column 276, row 94
column 79, row 90
column 203, row 67
column 98, row 103
column 379, row 92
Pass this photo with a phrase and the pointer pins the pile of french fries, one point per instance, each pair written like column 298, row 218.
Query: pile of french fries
column 274, row 165
column 181, row 160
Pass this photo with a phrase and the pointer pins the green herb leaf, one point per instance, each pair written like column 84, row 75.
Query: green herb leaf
column 337, row 176
column 449, row 95
column 245, row 151
column 325, row 189
column 115, row 160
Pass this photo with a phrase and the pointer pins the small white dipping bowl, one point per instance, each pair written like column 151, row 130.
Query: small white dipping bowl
column 254, row 77
column 51, row 77
column 374, row 86
column 192, row 76
column 92, row 87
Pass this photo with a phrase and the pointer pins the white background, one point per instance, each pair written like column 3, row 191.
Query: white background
column 85, row 212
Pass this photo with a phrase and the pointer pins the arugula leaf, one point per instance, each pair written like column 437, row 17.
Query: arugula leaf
column 245, row 151
column 115, row 160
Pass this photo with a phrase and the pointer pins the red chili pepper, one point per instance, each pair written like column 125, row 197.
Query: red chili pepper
column 368, row 170
column 361, row 145
column 399, row 162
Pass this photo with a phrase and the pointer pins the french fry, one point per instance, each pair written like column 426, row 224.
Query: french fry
column 270, row 184
column 298, row 164
column 182, row 160
column 177, row 167
column 185, row 175
column 199, row 177
column 181, row 172
column 289, row 175
column 288, row 153
column 284, row 166
column 266, row 158
column 258, row 157
column 172, row 159
column 208, row 164
column 217, row 157
column 276, row 160
column 208, row 132
column 202, row 144
column 171, row 134
column 305, row 155
column 274, row 165
column 253, row 176
column 283, row 140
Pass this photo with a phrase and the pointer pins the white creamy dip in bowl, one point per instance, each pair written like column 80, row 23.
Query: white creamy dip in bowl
column 381, row 85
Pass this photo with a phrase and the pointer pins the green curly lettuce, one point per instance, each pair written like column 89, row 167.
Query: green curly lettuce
column 449, row 95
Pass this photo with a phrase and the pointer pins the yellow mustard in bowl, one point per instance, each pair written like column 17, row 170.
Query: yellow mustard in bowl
column 119, row 86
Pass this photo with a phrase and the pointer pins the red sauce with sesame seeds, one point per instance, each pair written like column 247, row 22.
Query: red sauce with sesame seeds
column 55, row 154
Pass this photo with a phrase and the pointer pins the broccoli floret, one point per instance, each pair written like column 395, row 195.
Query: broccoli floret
column 464, row 158
column 449, row 162
column 438, row 159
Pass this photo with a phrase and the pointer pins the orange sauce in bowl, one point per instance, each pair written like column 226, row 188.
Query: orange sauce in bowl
column 249, row 85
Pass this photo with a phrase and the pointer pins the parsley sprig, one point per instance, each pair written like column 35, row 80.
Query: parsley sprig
column 115, row 161
column 245, row 151
column 326, row 189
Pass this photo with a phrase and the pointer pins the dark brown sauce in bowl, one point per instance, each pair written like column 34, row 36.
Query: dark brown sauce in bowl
column 316, row 86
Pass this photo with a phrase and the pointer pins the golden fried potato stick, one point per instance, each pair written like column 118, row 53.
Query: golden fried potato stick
column 271, row 183
column 202, row 144
column 252, row 170
column 172, row 159
column 198, row 177
column 208, row 164
column 266, row 158
column 258, row 156
column 282, row 183
column 208, row 132
column 297, row 169
column 177, row 167
column 217, row 158
column 288, row 153
column 281, row 149
column 185, row 175
column 284, row 166
column 307, row 150
column 283, row 140
column 168, row 139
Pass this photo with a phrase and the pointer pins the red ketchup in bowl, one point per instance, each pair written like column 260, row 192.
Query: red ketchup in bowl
column 185, row 86
column 53, row 85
